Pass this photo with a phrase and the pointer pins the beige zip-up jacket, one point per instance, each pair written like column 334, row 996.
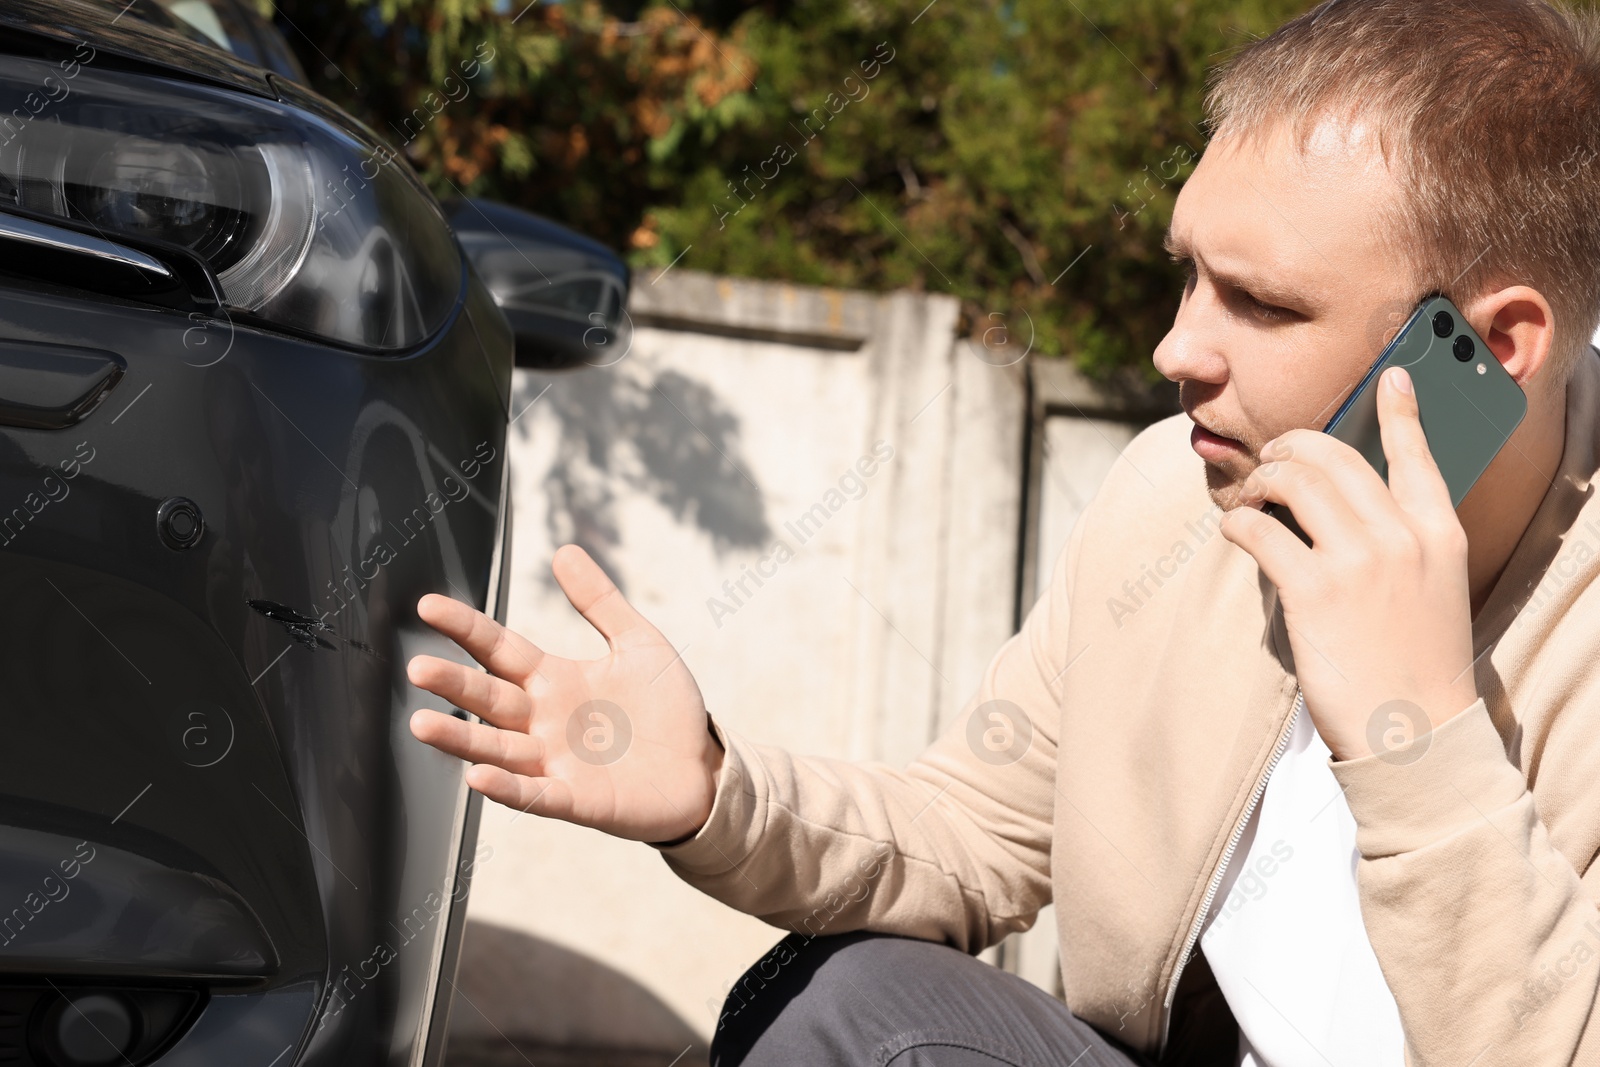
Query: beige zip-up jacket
column 1153, row 684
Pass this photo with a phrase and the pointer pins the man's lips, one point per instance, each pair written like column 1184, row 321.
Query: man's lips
column 1214, row 448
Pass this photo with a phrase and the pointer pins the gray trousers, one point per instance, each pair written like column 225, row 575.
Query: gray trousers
column 866, row 1000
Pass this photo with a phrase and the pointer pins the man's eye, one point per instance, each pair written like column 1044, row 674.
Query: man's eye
column 1266, row 312
column 1259, row 309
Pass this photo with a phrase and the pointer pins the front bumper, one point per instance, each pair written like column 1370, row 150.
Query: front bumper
column 213, row 740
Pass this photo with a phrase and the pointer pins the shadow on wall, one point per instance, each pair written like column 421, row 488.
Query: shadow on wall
column 661, row 434
column 520, row 1000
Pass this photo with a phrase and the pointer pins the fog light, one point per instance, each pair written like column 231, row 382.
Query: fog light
column 90, row 1029
column 68, row 1025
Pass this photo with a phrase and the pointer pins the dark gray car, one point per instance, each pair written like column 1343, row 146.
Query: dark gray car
column 253, row 405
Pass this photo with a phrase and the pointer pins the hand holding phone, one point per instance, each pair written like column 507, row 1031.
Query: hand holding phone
column 1466, row 401
column 1379, row 610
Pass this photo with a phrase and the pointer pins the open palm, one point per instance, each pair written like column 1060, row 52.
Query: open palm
column 617, row 743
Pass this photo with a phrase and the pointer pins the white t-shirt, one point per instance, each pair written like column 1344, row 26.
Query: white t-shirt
column 1284, row 936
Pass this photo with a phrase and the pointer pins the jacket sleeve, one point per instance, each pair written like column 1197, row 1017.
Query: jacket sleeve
column 1488, row 938
column 954, row 848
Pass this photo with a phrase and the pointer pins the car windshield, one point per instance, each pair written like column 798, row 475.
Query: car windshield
column 204, row 16
column 225, row 24
column 214, row 22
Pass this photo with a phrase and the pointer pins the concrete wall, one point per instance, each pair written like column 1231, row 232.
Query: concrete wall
column 726, row 438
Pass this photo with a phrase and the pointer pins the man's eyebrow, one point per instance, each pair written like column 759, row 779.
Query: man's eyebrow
column 1260, row 287
column 1268, row 291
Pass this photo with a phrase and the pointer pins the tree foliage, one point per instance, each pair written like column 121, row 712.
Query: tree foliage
column 1022, row 155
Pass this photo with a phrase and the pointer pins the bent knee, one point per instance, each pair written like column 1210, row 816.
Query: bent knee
column 807, row 992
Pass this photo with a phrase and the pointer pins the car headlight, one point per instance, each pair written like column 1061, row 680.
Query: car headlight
column 303, row 224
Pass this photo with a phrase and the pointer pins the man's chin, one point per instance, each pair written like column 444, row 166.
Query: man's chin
column 1223, row 488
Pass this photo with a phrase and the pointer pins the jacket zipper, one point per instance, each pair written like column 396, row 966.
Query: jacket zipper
column 1222, row 867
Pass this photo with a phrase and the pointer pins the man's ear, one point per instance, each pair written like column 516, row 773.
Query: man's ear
column 1519, row 326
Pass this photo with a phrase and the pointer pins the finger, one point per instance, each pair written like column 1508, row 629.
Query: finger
column 594, row 595
column 1358, row 486
column 1277, row 551
column 1318, row 502
column 537, row 796
column 1414, row 478
column 493, row 699
column 478, row 742
column 501, row 651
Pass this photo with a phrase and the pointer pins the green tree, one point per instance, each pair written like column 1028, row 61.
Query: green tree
column 1021, row 155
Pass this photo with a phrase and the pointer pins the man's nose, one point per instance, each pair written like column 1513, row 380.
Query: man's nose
column 1193, row 348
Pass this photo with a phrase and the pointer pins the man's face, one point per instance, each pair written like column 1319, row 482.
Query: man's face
column 1292, row 294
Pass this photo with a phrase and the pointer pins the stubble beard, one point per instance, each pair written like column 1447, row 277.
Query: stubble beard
column 1224, row 487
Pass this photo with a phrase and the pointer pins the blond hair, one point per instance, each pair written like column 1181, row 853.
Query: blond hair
column 1488, row 113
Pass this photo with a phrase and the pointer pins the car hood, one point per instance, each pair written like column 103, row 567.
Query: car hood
column 129, row 40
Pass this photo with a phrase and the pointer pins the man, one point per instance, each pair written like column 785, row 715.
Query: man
column 1294, row 805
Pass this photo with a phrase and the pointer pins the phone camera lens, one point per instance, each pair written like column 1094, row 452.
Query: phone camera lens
column 1464, row 348
column 1444, row 324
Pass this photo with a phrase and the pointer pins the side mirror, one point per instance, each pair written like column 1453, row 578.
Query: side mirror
column 565, row 295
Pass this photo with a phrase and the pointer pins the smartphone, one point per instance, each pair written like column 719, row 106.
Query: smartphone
column 1467, row 403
